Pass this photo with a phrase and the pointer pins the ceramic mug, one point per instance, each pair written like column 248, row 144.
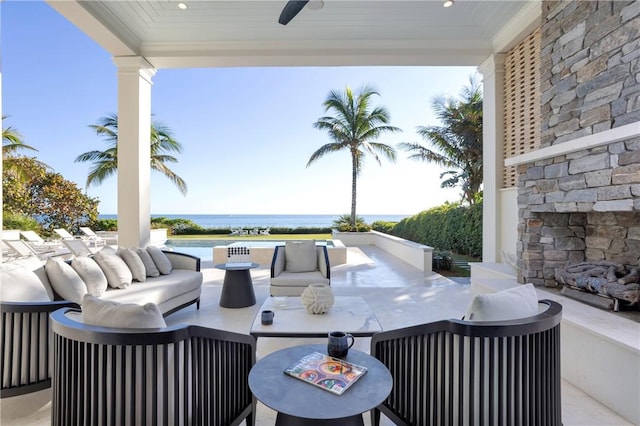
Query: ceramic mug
column 267, row 317
column 338, row 344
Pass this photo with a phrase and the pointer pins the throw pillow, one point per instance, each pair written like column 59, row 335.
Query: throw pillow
column 91, row 274
column 160, row 259
column 21, row 285
column 135, row 264
column 513, row 303
column 107, row 313
column 65, row 280
column 117, row 272
column 301, row 256
column 149, row 267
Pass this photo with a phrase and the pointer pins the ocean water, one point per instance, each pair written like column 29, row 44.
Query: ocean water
column 259, row 220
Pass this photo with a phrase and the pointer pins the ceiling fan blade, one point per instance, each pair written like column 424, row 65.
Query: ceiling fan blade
column 291, row 9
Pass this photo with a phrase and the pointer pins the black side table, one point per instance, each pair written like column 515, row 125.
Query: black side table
column 237, row 288
column 302, row 404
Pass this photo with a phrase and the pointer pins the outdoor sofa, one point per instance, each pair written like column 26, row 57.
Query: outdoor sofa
column 28, row 298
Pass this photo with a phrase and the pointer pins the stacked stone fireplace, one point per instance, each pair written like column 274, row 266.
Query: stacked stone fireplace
column 580, row 216
column 579, row 197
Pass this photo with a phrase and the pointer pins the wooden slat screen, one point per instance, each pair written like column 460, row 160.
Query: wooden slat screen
column 521, row 102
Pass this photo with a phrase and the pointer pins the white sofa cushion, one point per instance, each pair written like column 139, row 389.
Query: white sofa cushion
column 298, row 279
column 149, row 267
column 160, row 289
column 513, row 303
column 21, row 285
column 91, row 274
column 117, row 272
column 107, row 313
column 160, row 259
column 301, row 256
column 135, row 264
column 65, row 280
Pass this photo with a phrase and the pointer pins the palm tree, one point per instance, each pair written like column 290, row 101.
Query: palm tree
column 106, row 162
column 457, row 144
column 354, row 128
column 12, row 144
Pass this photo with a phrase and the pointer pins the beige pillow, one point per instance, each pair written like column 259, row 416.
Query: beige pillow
column 20, row 284
column 135, row 264
column 160, row 259
column 107, row 313
column 513, row 303
column 150, row 268
column 300, row 256
column 91, row 274
column 65, row 280
column 117, row 272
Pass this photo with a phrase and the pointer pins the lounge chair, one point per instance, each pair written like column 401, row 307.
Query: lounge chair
column 38, row 243
column 20, row 248
column 93, row 238
column 64, row 234
column 79, row 248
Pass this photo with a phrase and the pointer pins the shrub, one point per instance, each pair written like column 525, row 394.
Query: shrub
column 105, row 225
column 450, row 226
column 383, row 226
column 18, row 221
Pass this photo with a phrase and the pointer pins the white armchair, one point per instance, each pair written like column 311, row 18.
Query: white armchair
column 298, row 264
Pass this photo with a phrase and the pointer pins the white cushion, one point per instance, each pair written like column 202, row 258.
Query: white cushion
column 135, row 264
column 149, row 267
column 19, row 284
column 65, row 280
column 91, row 274
column 160, row 259
column 513, row 303
column 117, row 272
column 107, row 313
column 300, row 256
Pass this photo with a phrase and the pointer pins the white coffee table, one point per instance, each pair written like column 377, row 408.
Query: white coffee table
column 350, row 314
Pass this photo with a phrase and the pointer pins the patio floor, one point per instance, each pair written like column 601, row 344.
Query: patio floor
column 398, row 293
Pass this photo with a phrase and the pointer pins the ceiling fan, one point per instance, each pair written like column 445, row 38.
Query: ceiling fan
column 290, row 10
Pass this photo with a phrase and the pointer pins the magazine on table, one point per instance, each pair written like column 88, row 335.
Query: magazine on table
column 326, row 372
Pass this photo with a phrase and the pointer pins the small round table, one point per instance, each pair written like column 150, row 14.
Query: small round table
column 299, row 403
column 237, row 288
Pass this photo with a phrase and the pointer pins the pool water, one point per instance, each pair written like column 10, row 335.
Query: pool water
column 203, row 248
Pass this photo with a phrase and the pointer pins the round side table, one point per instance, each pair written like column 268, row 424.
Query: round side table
column 237, row 288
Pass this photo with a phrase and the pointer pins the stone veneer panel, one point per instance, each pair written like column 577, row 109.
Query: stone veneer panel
column 590, row 68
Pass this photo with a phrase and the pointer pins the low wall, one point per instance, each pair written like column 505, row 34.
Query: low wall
column 264, row 255
column 600, row 349
column 157, row 237
column 417, row 255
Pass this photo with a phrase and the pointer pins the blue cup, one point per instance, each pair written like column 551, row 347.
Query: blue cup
column 338, row 344
column 267, row 317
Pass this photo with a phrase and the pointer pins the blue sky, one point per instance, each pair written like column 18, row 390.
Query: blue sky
column 247, row 132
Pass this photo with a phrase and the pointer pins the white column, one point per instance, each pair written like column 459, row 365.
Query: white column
column 492, row 70
column 134, row 133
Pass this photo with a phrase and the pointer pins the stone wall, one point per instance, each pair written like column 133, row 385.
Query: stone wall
column 590, row 70
column 581, row 205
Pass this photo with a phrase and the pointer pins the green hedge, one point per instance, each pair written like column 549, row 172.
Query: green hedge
column 448, row 227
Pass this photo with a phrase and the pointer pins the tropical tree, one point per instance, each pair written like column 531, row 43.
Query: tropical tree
column 105, row 163
column 12, row 145
column 355, row 127
column 457, row 144
column 46, row 197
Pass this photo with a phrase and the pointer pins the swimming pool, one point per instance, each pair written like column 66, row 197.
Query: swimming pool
column 261, row 250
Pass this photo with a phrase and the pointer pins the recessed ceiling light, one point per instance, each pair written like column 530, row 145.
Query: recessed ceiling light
column 182, row 6
column 448, row 3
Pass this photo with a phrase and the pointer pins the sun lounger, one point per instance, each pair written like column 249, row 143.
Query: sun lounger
column 93, row 238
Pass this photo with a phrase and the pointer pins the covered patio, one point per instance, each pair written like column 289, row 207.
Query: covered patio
column 533, row 118
column 396, row 292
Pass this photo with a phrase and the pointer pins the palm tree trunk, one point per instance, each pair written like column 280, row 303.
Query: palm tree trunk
column 354, row 180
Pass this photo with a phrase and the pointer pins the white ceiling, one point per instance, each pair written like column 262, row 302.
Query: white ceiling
column 343, row 32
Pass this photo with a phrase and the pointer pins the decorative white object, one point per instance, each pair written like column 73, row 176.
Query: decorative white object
column 317, row 298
